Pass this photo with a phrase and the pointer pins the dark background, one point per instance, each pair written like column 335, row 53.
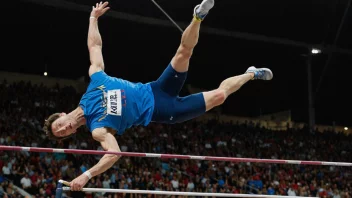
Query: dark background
column 38, row 37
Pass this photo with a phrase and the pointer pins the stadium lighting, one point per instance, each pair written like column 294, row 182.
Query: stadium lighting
column 45, row 73
column 316, row 51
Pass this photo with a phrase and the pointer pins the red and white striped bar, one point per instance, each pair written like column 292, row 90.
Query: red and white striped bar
column 176, row 193
column 171, row 156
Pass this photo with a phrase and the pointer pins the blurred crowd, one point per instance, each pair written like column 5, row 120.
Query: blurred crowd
column 23, row 108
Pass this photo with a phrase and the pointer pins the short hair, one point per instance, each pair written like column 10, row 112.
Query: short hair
column 48, row 130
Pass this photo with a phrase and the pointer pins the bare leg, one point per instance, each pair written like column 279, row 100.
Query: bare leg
column 233, row 84
column 189, row 40
column 227, row 87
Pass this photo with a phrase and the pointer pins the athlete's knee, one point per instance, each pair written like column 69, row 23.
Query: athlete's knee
column 180, row 62
column 184, row 52
column 214, row 98
column 219, row 97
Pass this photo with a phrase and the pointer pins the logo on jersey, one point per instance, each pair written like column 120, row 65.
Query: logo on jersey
column 114, row 106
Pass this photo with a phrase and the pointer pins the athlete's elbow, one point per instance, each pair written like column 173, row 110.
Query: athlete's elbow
column 114, row 158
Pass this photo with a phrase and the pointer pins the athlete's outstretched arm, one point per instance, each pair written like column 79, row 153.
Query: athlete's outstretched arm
column 109, row 143
column 95, row 43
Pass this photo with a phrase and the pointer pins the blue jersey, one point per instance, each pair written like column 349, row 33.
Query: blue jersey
column 116, row 103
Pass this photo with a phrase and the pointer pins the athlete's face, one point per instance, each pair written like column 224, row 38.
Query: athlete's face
column 64, row 126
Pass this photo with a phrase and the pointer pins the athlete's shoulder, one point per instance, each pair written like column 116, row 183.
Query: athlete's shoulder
column 99, row 75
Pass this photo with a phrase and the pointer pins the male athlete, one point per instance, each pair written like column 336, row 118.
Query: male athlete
column 112, row 105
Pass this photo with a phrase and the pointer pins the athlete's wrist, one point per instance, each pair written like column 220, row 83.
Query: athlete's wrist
column 88, row 174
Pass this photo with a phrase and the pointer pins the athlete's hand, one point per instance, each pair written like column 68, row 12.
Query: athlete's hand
column 99, row 9
column 78, row 183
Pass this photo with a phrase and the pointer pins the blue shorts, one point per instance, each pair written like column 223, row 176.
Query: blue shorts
column 169, row 107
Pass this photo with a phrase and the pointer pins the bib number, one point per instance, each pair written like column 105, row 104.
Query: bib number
column 114, row 106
